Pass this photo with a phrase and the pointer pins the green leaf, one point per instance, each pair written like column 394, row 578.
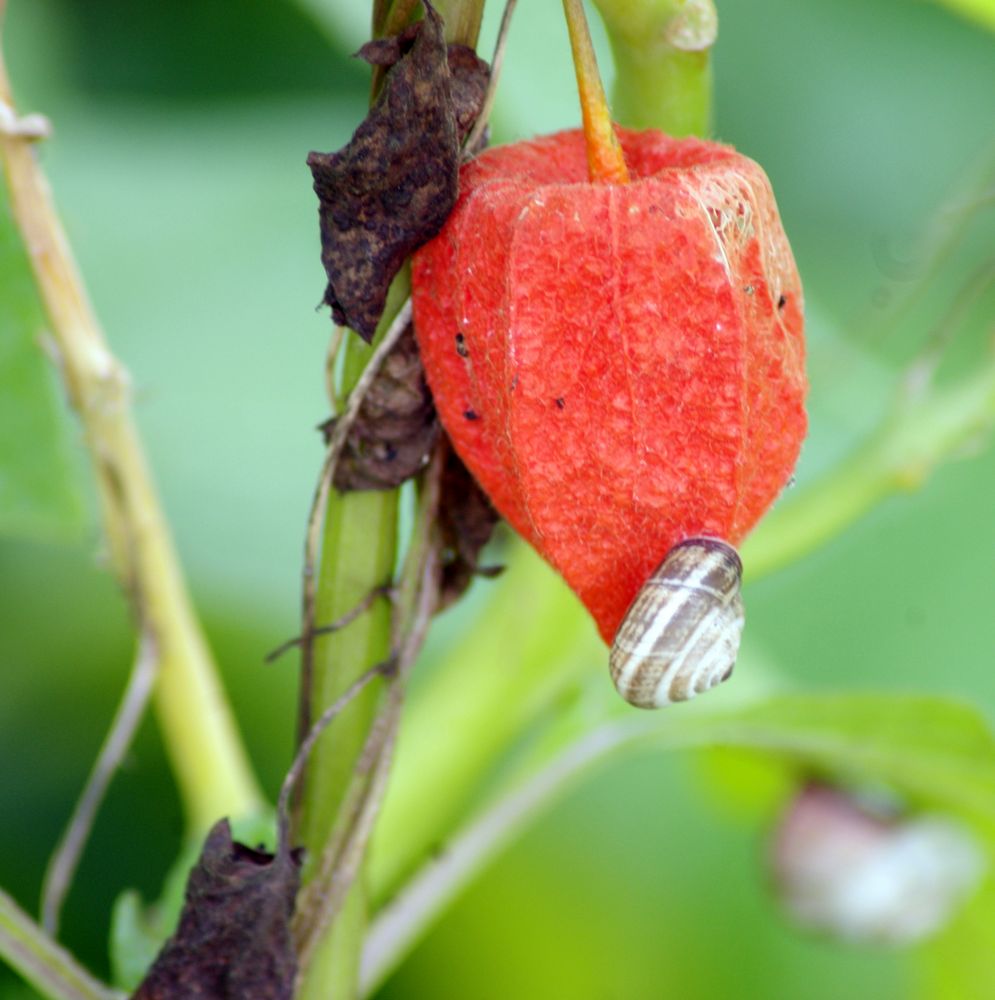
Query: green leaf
column 960, row 962
column 40, row 494
column 982, row 11
column 937, row 752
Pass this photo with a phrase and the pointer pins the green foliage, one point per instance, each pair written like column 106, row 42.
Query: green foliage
column 982, row 11
column 937, row 753
column 195, row 226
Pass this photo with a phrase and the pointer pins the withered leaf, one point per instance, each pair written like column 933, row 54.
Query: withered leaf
column 387, row 51
column 391, row 188
column 469, row 73
column 466, row 522
column 396, row 428
column 233, row 940
column 470, row 76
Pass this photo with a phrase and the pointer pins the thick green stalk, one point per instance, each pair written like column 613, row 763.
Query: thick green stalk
column 462, row 19
column 357, row 555
column 663, row 76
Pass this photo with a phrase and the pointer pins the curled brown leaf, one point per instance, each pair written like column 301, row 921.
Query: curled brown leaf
column 395, row 430
column 392, row 187
column 233, row 938
column 466, row 522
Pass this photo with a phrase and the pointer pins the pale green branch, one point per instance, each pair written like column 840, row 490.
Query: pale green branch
column 928, row 426
column 937, row 752
column 49, row 968
column 210, row 763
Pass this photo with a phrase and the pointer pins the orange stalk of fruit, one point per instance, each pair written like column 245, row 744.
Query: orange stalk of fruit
column 605, row 159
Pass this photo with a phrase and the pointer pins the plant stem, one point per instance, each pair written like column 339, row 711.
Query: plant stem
column 462, row 19
column 358, row 555
column 208, row 759
column 398, row 927
column 49, row 968
column 333, row 879
column 663, row 76
column 490, row 689
column 927, row 427
column 390, row 17
column 359, row 551
column 605, row 160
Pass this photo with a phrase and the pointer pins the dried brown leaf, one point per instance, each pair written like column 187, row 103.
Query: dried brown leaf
column 391, row 188
column 466, row 522
column 470, row 76
column 234, row 938
column 396, row 428
column 387, row 51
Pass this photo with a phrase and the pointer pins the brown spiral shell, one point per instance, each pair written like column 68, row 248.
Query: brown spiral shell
column 681, row 634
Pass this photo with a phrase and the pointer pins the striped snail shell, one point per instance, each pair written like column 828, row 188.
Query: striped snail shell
column 681, row 634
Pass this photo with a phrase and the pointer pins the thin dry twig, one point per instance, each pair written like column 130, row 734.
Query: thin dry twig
column 340, row 623
column 307, row 744
column 475, row 135
column 65, row 859
column 321, row 900
column 331, row 359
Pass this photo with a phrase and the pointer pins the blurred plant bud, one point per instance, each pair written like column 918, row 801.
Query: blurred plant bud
column 840, row 868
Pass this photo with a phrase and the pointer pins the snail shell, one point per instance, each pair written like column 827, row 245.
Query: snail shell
column 681, row 634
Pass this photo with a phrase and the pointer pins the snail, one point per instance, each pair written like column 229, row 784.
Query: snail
column 681, row 634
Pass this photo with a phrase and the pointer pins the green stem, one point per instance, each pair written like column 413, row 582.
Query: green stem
column 359, row 551
column 926, row 428
column 208, row 758
column 358, row 555
column 462, row 19
column 663, row 76
column 478, row 701
column 50, row 969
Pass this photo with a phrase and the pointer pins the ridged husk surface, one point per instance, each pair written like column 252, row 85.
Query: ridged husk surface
column 619, row 366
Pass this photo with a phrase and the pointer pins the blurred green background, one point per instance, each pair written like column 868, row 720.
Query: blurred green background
column 178, row 164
